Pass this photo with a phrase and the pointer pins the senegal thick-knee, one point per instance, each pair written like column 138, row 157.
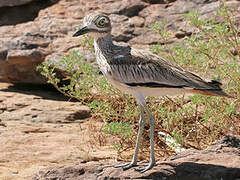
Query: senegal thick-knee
column 141, row 73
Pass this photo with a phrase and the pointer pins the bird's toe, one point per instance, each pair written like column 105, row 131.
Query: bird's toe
column 126, row 166
column 144, row 169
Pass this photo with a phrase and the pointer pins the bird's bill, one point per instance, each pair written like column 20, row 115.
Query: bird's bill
column 82, row 31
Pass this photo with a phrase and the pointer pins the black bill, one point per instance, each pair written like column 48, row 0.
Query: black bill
column 82, row 31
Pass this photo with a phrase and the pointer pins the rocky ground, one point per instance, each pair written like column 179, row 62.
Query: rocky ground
column 39, row 128
column 211, row 164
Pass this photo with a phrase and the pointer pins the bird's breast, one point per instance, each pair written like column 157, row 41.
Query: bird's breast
column 102, row 63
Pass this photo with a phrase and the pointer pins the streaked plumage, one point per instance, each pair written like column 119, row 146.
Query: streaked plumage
column 141, row 73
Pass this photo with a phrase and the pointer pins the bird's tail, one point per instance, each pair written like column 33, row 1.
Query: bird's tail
column 216, row 90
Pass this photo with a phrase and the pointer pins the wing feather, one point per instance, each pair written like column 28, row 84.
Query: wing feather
column 142, row 68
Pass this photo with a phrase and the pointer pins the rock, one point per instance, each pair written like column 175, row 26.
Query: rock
column 131, row 7
column 122, row 29
column 20, row 55
column 40, row 128
column 137, row 21
column 33, row 109
column 152, row 38
column 181, row 34
column 153, row 13
column 210, row 164
column 46, row 111
column 126, row 7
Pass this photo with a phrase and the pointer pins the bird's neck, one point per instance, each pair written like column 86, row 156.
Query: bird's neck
column 104, row 49
column 103, row 43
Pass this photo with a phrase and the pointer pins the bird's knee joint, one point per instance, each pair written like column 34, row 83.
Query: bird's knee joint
column 141, row 122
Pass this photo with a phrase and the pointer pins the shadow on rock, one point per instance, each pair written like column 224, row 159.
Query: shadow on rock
column 45, row 91
column 14, row 12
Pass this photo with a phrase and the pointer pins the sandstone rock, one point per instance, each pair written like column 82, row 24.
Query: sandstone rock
column 181, row 34
column 126, row 7
column 33, row 109
column 210, row 164
column 20, row 55
column 152, row 38
column 122, row 29
column 131, row 7
column 40, row 128
column 21, row 65
column 137, row 21
column 153, row 13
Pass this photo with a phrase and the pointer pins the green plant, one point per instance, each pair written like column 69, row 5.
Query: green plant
column 83, row 82
column 120, row 129
column 212, row 51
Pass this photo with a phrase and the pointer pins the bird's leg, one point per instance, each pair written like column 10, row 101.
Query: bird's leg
column 142, row 121
column 152, row 154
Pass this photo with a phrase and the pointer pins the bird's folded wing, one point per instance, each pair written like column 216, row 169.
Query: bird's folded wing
column 141, row 68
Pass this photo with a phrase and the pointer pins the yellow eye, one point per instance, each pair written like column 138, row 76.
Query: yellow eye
column 101, row 22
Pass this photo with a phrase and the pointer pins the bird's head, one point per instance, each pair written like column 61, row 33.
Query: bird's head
column 96, row 25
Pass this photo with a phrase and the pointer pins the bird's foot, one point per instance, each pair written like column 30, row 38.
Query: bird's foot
column 144, row 169
column 126, row 166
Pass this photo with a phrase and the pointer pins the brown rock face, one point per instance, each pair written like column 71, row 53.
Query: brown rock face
column 47, row 34
column 40, row 127
column 209, row 164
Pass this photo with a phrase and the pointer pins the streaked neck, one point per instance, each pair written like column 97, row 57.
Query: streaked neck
column 103, row 43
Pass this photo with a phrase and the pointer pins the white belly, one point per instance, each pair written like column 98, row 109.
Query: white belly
column 146, row 91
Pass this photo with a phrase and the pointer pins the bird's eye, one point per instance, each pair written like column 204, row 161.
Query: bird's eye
column 101, row 22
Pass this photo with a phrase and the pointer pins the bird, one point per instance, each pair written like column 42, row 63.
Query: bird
column 141, row 73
